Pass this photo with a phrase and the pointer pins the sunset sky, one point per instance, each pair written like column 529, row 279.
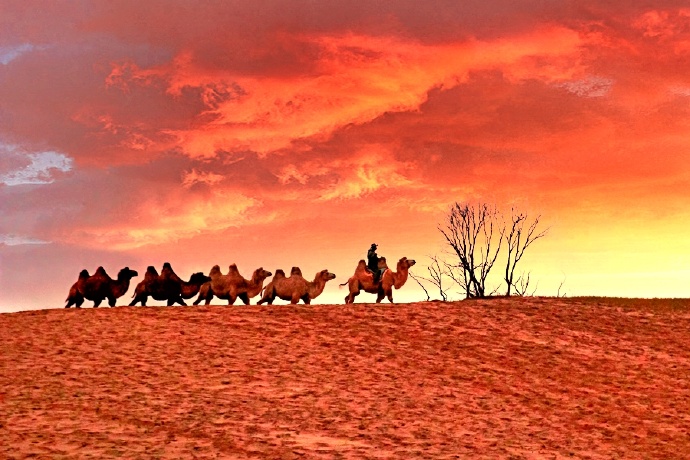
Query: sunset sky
column 281, row 133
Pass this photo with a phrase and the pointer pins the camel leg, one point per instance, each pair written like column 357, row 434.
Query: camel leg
column 136, row 299
column 80, row 300
column 97, row 302
column 111, row 301
column 267, row 298
column 244, row 298
column 206, row 297
column 306, row 299
column 172, row 301
column 294, row 299
column 204, row 294
column 231, row 299
column 380, row 295
column 351, row 297
column 390, row 296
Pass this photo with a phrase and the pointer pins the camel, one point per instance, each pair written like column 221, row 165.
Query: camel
column 295, row 287
column 74, row 297
column 167, row 286
column 100, row 286
column 363, row 279
column 232, row 285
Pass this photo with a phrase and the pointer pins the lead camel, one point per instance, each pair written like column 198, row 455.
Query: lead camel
column 363, row 280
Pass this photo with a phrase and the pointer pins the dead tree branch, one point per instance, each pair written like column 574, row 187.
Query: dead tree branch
column 518, row 239
column 416, row 278
column 436, row 275
column 522, row 285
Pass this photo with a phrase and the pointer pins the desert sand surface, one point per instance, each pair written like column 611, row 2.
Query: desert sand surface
column 534, row 378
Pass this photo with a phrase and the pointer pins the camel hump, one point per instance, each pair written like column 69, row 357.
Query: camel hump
column 280, row 273
column 382, row 263
column 361, row 267
column 233, row 269
column 100, row 271
column 84, row 274
column 168, row 273
column 296, row 271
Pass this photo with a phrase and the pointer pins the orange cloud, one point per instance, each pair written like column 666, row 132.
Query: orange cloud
column 365, row 172
column 168, row 219
column 357, row 79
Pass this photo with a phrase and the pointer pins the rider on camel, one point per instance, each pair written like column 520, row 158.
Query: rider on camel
column 373, row 262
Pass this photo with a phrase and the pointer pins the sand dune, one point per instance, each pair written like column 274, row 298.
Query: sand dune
column 502, row 378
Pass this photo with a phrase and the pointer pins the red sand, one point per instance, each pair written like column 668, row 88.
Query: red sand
column 520, row 378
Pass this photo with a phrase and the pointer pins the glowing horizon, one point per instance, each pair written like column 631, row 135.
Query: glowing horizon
column 277, row 135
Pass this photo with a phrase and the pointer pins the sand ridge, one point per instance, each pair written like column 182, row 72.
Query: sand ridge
column 500, row 378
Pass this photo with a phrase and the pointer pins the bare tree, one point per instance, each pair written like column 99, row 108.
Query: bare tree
column 522, row 285
column 558, row 293
column 472, row 233
column 518, row 239
column 416, row 278
column 436, row 276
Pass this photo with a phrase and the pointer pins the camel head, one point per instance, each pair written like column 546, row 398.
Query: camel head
column 260, row 274
column 324, row 275
column 199, row 278
column 215, row 271
column 296, row 271
column 405, row 263
column 126, row 274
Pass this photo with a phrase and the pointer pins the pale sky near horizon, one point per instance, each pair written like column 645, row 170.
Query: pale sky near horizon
column 281, row 133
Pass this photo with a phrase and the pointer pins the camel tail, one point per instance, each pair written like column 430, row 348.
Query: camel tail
column 344, row 284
